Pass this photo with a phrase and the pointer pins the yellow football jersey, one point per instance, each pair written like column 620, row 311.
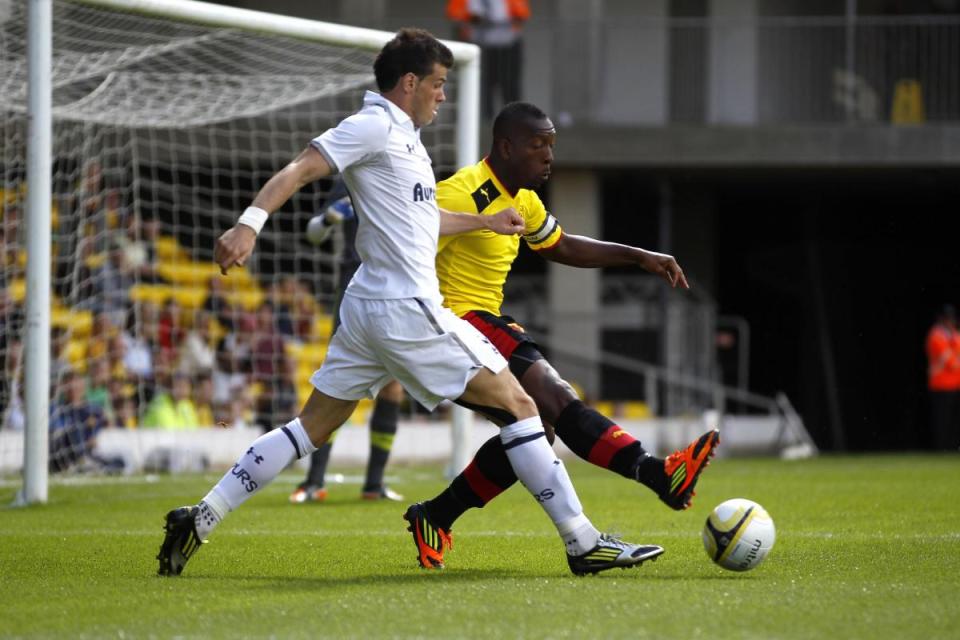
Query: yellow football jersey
column 472, row 267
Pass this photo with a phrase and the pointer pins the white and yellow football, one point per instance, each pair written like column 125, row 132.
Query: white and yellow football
column 739, row 534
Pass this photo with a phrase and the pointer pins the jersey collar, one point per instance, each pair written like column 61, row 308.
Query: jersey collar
column 396, row 113
column 496, row 180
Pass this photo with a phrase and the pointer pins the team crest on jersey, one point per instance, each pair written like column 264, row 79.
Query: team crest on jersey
column 421, row 193
column 485, row 194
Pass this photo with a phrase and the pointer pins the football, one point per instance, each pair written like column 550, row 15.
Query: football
column 739, row 534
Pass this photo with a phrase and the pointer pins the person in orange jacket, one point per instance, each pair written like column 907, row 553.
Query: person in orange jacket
column 496, row 26
column 943, row 381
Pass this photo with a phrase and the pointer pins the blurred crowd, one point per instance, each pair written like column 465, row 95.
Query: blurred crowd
column 143, row 364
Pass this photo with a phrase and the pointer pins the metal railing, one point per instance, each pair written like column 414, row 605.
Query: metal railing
column 756, row 71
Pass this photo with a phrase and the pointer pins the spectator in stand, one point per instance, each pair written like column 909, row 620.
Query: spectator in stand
column 496, row 26
column 58, row 353
column 111, row 284
column 11, row 402
column 115, row 211
column 196, row 353
column 239, row 412
column 173, row 410
column 169, row 333
column 147, row 326
column 102, row 331
column 286, row 404
column 304, row 313
column 10, row 268
column 11, row 348
column 267, row 359
column 76, row 236
column 123, row 397
column 74, row 425
column 217, row 305
column 140, row 247
column 943, row 357
column 98, row 391
column 203, row 398
column 137, row 353
column 282, row 298
column 231, row 375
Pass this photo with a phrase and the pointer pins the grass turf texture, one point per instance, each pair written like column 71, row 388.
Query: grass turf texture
column 866, row 547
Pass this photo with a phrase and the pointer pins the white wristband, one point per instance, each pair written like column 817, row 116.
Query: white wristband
column 253, row 217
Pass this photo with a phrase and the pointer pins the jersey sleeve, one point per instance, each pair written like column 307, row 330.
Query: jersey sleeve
column 541, row 229
column 452, row 196
column 356, row 138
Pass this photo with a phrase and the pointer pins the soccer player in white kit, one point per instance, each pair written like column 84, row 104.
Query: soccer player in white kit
column 393, row 325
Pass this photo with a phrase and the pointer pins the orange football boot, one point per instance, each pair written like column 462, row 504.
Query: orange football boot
column 683, row 467
column 430, row 540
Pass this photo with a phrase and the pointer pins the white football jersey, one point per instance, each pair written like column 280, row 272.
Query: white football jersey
column 390, row 177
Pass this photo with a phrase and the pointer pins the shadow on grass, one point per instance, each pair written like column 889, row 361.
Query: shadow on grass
column 448, row 577
column 305, row 583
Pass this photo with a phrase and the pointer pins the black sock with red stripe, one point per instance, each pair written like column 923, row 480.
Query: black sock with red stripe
column 602, row 442
column 488, row 475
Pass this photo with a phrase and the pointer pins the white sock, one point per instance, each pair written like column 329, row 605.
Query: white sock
column 544, row 476
column 257, row 467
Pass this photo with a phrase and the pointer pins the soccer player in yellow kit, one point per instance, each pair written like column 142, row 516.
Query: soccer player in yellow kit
column 472, row 268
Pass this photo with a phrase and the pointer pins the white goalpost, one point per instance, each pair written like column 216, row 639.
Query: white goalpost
column 165, row 117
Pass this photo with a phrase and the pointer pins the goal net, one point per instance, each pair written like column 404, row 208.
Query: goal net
column 167, row 120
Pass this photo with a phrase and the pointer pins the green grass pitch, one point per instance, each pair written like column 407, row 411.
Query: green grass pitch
column 867, row 547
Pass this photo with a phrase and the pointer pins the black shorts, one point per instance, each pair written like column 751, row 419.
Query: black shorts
column 513, row 343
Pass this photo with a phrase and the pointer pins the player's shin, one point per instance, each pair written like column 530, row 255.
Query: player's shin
column 599, row 440
column 488, row 475
column 257, row 466
column 545, row 477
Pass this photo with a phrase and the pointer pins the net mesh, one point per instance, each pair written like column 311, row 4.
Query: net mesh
column 163, row 132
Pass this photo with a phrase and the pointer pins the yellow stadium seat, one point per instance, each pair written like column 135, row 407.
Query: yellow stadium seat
column 305, row 370
column 76, row 351
column 190, row 272
column 362, row 412
column 156, row 294
column 18, row 290
column 323, row 325
column 187, row 272
column 636, row 410
column 293, row 349
column 250, row 299
column 190, row 297
column 76, row 323
column 96, row 260
column 217, row 331
column 304, row 389
column 604, row 407
column 169, row 249
column 313, row 353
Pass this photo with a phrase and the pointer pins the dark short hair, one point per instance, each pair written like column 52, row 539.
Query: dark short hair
column 513, row 115
column 410, row 51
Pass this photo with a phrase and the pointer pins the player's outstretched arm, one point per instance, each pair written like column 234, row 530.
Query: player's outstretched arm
column 507, row 222
column 235, row 245
column 581, row 251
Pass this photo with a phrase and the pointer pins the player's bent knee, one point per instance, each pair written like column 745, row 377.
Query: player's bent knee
column 520, row 404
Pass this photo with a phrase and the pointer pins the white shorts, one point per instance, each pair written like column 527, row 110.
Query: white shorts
column 424, row 346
